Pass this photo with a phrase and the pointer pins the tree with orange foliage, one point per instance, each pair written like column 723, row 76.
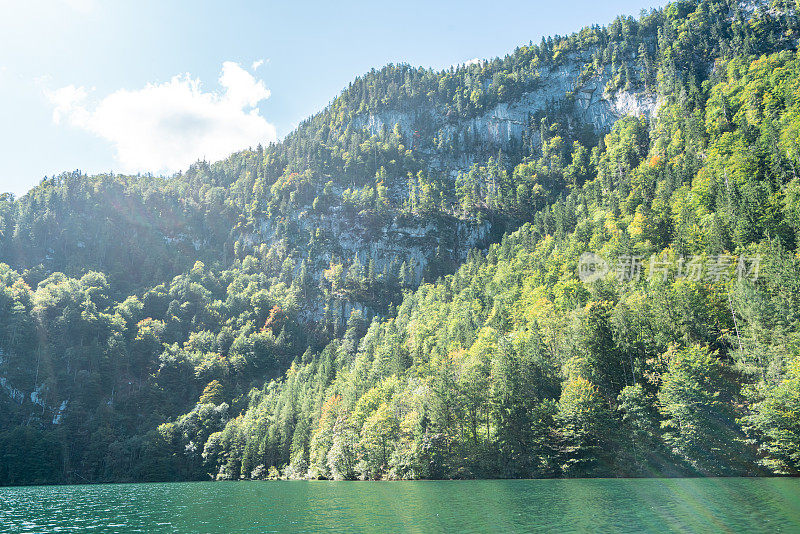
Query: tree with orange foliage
column 275, row 320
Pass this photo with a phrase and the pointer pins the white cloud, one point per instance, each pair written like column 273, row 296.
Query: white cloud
column 165, row 127
column 242, row 89
column 467, row 63
column 67, row 102
column 257, row 63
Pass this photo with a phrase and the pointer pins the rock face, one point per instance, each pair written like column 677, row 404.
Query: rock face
column 588, row 98
column 37, row 397
column 386, row 242
column 389, row 241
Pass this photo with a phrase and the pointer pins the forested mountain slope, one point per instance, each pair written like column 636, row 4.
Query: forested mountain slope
column 329, row 254
column 513, row 367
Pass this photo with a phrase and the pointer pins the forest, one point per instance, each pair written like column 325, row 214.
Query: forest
column 222, row 324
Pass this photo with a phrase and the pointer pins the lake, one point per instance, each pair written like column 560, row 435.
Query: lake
column 655, row 505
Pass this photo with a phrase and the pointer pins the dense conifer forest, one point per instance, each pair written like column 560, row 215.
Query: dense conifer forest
column 242, row 320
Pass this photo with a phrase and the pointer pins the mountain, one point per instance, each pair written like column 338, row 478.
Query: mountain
column 394, row 290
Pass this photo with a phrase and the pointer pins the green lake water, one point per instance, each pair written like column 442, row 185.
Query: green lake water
column 593, row 505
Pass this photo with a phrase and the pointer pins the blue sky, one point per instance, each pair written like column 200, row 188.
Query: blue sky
column 152, row 85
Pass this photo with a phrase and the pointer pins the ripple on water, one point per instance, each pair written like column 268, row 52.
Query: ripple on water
column 751, row 505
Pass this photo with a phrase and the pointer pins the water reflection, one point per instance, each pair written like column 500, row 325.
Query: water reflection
column 720, row 505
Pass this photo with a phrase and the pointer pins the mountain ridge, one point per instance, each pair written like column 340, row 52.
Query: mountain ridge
column 294, row 309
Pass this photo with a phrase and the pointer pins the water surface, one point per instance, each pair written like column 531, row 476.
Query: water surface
column 654, row 505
